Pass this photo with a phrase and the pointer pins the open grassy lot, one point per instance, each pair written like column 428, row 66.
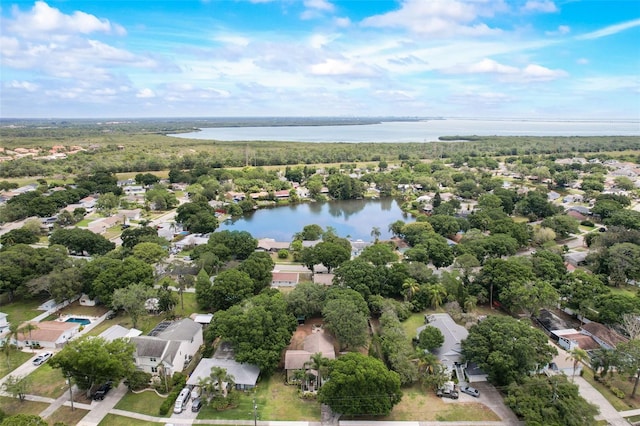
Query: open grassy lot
column 190, row 305
column 412, row 323
column 283, row 403
column 67, row 416
column 619, row 381
column 113, row 420
column 76, row 309
column 22, row 310
column 145, row 403
column 48, row 382
column 16, row 358
column 13, row 406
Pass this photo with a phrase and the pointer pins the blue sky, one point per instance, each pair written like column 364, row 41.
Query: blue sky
column 453, row 58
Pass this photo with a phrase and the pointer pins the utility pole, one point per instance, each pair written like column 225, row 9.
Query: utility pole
column 255, row 413
column 70, row 392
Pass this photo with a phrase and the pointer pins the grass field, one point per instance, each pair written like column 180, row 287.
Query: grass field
column 145, row 403
column 13, row 406
column 412, row 323
column 283, row 403
column 113, row 420
column 48, row 382
column 67, row 416
column 76, row 309
column 22, row 310
column 16, row 358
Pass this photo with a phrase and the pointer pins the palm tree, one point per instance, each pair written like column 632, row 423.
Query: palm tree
column 410, row 287
column 28, row 327
column 206, row 385
column 375, row 233
column 437, row 293
column 299, row 376
column 13, row 334
column 577, row 355
column 318, row 363
column 220, row 375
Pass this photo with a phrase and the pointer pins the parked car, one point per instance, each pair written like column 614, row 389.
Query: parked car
column 448, row 390
column 102, row 391
column 196, row 405
column 42, row 358
column 470, row 391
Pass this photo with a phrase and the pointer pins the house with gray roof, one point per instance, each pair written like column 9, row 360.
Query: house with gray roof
column 244, row 375
column 172, row 344
column 450, row 353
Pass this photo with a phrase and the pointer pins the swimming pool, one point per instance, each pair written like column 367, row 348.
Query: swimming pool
column 82, row 321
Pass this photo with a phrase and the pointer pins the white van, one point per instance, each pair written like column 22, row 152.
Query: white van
column 182, row 400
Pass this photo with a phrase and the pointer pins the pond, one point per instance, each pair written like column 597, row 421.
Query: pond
column 352, row 219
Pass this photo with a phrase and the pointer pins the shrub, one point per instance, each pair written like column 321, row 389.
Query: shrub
column 168, row 403
column 587, row 223
column 617, row 392
column 139, row 380
column 283, row 254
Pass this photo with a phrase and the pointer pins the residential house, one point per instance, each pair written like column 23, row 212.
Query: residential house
column 576, row 258
column 570, row 339
column 190, row 241
column 285, row 279
column 316, row 342
column 48, row 334
column 244, row 375
column 172, row 344
column 3, row 321
column 450, row 353
column 119, row 332
column 606, row 337
column 271, row 245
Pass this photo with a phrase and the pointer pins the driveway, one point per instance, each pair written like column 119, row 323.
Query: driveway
column 490, row 397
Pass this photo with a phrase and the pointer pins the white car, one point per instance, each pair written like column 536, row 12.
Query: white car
column 42, row 358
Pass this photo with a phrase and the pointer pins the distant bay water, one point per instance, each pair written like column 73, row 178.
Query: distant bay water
column 417, row 131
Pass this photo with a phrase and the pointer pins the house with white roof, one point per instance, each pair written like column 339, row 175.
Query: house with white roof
column 244, row 375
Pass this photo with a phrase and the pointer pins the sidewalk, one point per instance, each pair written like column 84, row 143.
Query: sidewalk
column 101, row 408
column 607, row 411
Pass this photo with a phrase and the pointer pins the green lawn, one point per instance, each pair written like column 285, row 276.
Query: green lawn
column 22, row 310
column 84, row 223
column 13, row 406
column 144, row 403
column 113, row 420
column 412, row 323
column 48, row 382
column 243, row 410
column 190, row 305
column 16, row 358
column 67, row 416
column 281, row 402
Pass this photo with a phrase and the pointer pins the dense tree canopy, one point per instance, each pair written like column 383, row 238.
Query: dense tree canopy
column 259, row 329
column 360, row 385
column 81, row 241
column 91, row 361
column 507, row 349
column 551, row 401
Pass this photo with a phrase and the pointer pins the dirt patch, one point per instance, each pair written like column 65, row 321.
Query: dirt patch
column 76, row 309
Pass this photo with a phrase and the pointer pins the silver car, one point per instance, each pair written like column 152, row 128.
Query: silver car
column 42, row 358
column 470, row 391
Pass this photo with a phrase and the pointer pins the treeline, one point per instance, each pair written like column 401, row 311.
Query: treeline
column 140, row 151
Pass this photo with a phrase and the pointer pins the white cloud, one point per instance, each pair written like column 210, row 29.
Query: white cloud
column 43, row 19
column 323, row 5
column 23, row 85
column 316, row 9
column 438, row 18
column 491, row 66
column 145, row 93
column 582, row 61
column 335, row 67
column 544, row 6
column 562, row 30
column 342, row 22
column 529, row 73
column 610, row 30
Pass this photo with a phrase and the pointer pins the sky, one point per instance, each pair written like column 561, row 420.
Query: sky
column 535, row 59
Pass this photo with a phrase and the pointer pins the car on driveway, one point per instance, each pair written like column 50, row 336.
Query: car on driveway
column 42, row 358
column 470, row 391
column 102, row 391
column 448, row 390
